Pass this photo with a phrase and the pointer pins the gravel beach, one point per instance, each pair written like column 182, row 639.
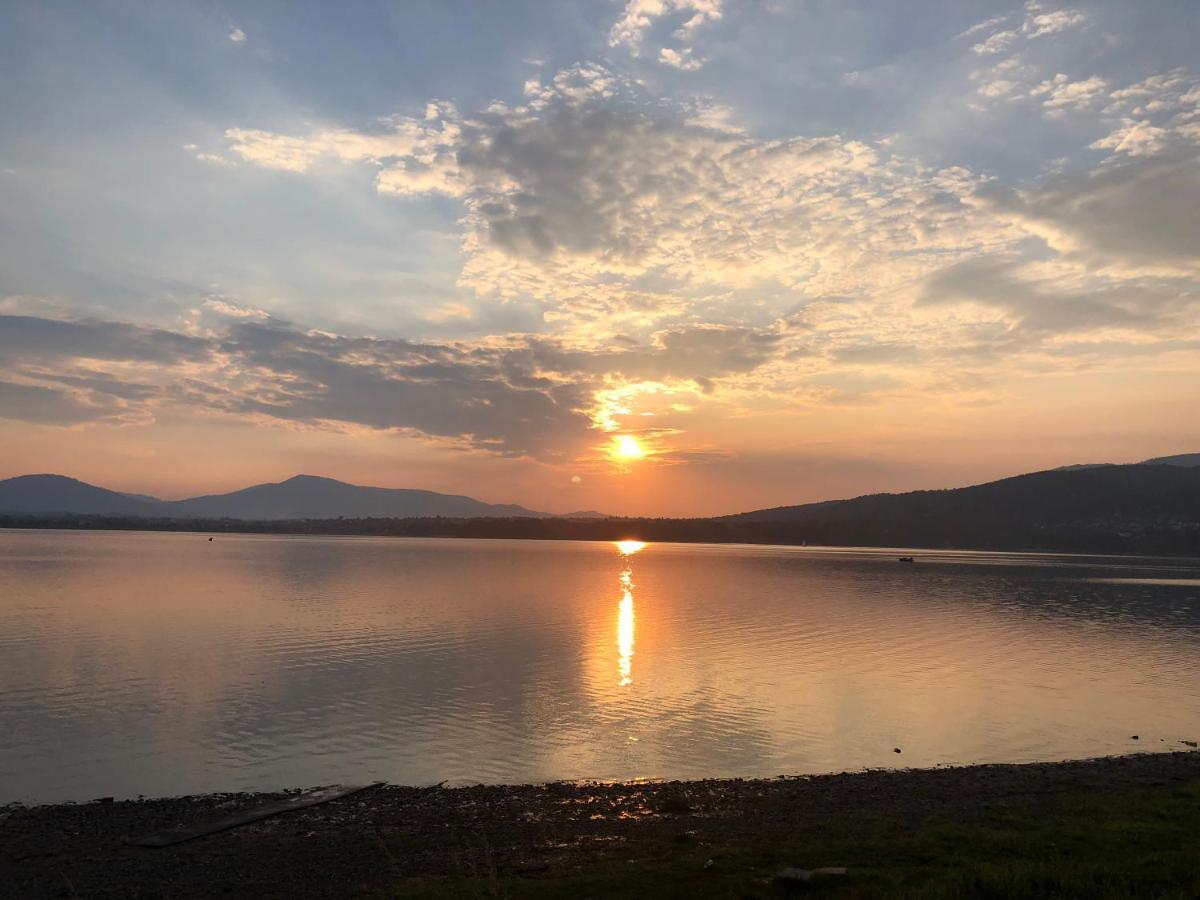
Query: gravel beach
column 388, row 837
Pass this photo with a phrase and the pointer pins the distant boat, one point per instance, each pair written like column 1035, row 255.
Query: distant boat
column 906, row 559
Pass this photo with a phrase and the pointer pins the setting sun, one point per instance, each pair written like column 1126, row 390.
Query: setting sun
column 627, row 447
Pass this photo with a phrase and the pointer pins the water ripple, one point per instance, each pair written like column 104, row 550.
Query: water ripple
column 148, row 664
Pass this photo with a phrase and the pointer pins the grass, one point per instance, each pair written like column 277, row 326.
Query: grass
column 1135, row 843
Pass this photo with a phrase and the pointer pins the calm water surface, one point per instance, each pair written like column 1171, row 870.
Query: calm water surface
column 164, row 664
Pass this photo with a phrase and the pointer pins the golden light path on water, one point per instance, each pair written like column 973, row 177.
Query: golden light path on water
column 625, row 622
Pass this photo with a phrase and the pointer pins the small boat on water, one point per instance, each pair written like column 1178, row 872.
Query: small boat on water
column 906, row 559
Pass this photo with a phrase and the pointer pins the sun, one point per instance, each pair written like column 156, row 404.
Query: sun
column 627, row 447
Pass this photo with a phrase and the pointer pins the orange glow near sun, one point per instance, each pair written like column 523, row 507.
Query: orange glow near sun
column 627, row 447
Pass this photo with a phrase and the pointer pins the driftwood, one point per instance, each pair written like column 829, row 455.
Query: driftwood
column 170, row 836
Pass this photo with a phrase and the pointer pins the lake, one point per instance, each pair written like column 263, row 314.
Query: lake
column 163, row 664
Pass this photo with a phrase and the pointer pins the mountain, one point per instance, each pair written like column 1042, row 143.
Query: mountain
column 310, row 497
column 46, row 494
column 1115, row 508
column 1183, row 459
column 1147, row 507
column 302, row 497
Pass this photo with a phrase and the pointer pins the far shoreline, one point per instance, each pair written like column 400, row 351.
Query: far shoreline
column 608, row 530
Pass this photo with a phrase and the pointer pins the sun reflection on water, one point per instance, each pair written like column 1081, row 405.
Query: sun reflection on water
column 625, row 639
column 625, row 624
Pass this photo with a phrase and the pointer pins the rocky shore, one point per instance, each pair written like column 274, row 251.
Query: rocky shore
column 537, row 839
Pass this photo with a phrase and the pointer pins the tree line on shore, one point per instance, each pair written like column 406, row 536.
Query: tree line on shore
column 1161, row 535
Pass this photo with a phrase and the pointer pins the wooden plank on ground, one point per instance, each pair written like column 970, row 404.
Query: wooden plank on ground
column 170, row 836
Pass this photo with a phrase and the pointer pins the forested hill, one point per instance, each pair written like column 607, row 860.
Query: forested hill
column 1142, row 508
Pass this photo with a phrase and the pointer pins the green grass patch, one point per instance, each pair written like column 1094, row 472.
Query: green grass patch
column 1143, row 843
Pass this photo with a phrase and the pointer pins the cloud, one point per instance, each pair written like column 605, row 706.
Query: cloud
column 237, row 35
column 997, row 88
column 1138, row 217
column 671, row 252
column 604, row 207
column 1154, row 116
column 713, row 351
column 680, row 59
column 531, row 396
column 1040, row 22
column 1044, row 306
column 714, row 117
column 983, row 26
column 234, row 310
column 439, row 391
column 685, row 352
column 45, row 406
column 626, row 219
column 33, row 338
column 639, row 15
column 410, row 144
column 214, row 158
column 1060, row 93
column 1134, row 138
column 871, row 354
column 1173, row 84
column 1009, row 79
column 996, row 43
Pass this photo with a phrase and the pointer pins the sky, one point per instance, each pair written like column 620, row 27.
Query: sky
column 655, row 257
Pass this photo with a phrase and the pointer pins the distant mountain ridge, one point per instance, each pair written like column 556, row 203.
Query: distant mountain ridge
column 312, row 497
column 1188, row 460
column 301, row 497
column 1185, row 460
column 1109, row 508
column 47, row 494
column 1135, row 509
column 1154, row 503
